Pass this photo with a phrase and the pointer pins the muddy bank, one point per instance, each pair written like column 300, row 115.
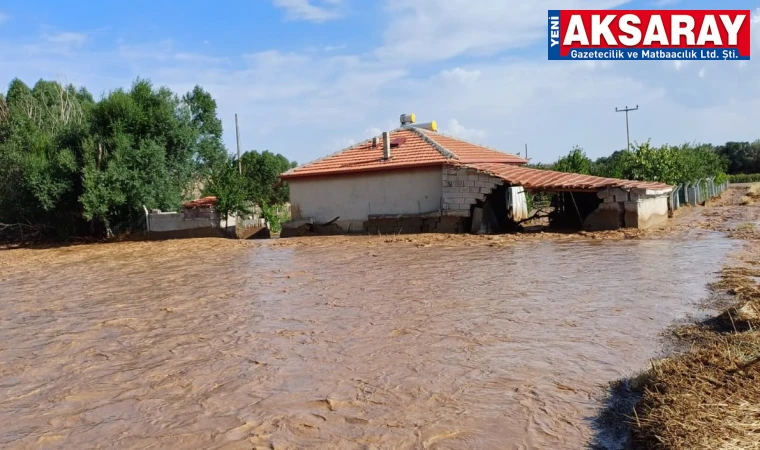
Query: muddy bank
column 706, row 396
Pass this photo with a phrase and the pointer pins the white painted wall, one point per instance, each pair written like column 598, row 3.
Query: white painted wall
column 652, row 211
column 355, row 197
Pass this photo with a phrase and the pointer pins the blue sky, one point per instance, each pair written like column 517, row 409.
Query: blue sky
column 309, row 77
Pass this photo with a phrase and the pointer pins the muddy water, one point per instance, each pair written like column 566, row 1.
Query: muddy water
column 393, row 346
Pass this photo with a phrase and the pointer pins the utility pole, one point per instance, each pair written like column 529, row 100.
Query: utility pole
column 237, row 135
column 627, row 133
column 526, row 152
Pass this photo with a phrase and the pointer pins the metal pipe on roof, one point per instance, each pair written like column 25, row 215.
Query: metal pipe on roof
column 432, row 126
column 386, row 145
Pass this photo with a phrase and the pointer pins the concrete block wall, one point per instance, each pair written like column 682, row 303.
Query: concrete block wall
column 637, row 208
column 462, row 188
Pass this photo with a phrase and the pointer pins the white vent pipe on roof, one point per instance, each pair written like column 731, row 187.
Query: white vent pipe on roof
column 386, row 145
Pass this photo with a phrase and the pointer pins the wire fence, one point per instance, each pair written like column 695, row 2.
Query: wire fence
column 695, row 192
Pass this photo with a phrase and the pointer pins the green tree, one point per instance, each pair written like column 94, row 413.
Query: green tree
column 262, row 174
column 741, row 157
column 671, row 164
column 575, row 162
column 80, row 166
column 229, row 188
column 609, row 166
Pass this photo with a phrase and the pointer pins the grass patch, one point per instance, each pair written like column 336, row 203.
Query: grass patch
column 744, row 178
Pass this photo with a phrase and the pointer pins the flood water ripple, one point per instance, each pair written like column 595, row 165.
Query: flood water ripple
column 342, row 347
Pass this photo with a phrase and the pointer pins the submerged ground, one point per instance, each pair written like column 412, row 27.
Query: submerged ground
column 405, row 342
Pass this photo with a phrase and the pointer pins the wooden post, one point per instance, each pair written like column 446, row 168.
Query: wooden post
column 237, row 135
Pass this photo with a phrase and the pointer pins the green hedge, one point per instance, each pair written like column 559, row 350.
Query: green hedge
column 744, row 178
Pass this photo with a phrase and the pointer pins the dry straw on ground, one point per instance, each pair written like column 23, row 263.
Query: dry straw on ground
column 753, row 193
column 709, row 398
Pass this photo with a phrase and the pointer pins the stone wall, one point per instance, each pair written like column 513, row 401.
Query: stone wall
column 463, row 187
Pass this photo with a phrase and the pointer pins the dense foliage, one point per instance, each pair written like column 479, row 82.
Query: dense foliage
column 668, row 164
column 744, row 178
column 261, row 172
column 71, row 165
column 74, row 165
column 575, row 162
column 742, row 157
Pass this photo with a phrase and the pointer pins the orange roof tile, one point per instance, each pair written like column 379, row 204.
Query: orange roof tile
column 417, row 148
column 471, row 153
column 560, row 181
column 201, row 202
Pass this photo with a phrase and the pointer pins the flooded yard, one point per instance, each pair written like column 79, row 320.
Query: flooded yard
column 216, row 344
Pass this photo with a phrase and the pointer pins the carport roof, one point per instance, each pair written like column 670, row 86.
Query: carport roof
column 549, row 180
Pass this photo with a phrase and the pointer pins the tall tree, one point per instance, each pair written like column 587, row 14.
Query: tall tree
column 229, row 188
column 81, row 166
column 575, row 162
column 262, row 174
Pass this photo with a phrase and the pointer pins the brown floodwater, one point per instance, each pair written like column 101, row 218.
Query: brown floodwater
column 209, row 344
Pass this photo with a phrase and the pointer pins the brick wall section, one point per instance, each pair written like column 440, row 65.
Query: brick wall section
column 463, row 187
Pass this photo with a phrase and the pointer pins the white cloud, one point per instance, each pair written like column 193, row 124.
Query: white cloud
column 701, row 73
column 454, row 128
column 335, row 145
column 434, row 30
column 308, row 11
column 460, row 75
column 3, row 17
column 332, row 48
column 664, row 3
column 309, row 104
column 66, row 38
column 678, row 64
column 163, row 51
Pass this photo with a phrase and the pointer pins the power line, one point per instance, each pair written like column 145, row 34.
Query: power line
column 627, row 133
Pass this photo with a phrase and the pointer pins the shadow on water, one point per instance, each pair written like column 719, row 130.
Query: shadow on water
column 612, row 426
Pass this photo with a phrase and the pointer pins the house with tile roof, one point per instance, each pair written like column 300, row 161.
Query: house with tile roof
column 414, row 179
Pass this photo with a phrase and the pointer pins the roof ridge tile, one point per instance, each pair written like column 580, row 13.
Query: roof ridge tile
column 441, row 149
